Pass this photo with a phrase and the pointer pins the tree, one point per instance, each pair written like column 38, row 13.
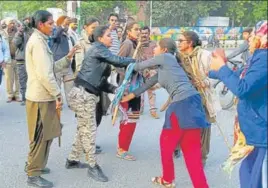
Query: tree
column 180, row 13
column 27, row 8
column 246, row 13
column 101, row 9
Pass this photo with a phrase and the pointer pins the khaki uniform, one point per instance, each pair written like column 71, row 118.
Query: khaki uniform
column 80, row 54
column 42, row 89
column 11, row 75
column 84, row 105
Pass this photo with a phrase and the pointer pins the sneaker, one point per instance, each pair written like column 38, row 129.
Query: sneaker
column 96, row 173
column 154, row 115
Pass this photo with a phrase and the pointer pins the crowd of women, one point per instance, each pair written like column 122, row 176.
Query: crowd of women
column 184, row 71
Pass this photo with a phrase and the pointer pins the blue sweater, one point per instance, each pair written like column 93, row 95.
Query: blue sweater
column 252, row 93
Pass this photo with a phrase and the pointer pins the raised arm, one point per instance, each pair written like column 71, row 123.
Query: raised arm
column 106, row 55
column 147, row 85
column 56, row 34
column 18, row 39
column 255, row 78
column 156, row 61
column 150, row 83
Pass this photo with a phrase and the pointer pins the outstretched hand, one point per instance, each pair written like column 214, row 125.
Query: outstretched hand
column 73, row 51
column 128, row 97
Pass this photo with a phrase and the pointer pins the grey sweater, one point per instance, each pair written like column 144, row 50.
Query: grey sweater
column 171, row 76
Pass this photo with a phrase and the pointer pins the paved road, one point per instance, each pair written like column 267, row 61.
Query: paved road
column 122, row 174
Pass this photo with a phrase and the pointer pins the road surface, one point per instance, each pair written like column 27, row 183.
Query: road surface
column 122, row 174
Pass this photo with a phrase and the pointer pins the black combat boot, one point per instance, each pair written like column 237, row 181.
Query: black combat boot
column 96, row 173
column 75, row 164
column 38, row 181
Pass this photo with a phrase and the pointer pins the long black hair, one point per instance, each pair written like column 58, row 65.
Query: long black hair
column 98, row 32
column 193, row 37
column 40, row 16
column 90, row 21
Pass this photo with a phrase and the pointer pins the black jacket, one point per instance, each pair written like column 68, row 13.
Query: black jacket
column 96, row 69
column 60, row 44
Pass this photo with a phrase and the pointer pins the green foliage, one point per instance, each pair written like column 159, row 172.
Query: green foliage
column 102, row 9
column 186, row 13
column 183, row 13
column 27, row 8
column 165, row 13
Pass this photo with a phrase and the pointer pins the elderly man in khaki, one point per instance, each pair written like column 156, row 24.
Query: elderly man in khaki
column 43, row 95
column 11, row 75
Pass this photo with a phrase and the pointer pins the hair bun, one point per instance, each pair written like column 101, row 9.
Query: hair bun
column 32, row 23
column 199, row 43
column 91, row 38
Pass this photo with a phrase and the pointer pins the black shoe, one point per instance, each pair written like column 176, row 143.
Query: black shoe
column 22, row 103
column 43, row 171
column 177, row 153
column 75, row 164
column 98, row 151
column 38, row 181
column 98, row 147
column 96, row 173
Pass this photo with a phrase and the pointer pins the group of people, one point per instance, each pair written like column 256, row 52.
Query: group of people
column 93, row 67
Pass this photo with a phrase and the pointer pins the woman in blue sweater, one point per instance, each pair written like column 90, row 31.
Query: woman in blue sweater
column 250, row 87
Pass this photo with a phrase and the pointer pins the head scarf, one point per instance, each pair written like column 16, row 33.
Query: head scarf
column 260, row 31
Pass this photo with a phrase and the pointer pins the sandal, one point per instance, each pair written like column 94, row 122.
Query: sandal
column 126, row 156
column 154, row 114
column 160, row 181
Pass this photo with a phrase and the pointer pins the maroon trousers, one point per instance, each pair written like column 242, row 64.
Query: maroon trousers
column 190, row 143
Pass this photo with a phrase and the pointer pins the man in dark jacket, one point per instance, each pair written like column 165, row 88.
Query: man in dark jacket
column 20, row 40
column 61, row 44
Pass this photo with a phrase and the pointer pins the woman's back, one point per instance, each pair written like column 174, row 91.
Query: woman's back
column 171, row 76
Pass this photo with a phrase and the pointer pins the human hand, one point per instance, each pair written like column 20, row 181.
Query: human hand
column 59, row 103
column 73, row 51
column 128, row 97
column 218, row 59
column 199, row 83
column 165, row 106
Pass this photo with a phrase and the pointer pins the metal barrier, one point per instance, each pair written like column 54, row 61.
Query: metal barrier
column 226, row 41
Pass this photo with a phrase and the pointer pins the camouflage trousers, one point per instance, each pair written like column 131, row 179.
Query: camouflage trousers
column 84, row 105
